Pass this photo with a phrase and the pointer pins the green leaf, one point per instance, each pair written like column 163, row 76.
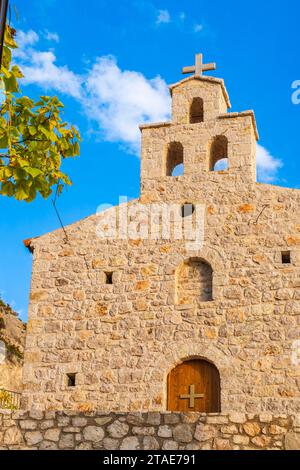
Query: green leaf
column 5, row 173
column 34, row 172
column 76, row 149
column 11, row 84
column 32, row 130
column 5, row 72
column 17, row 72
column 3, row 141
column 7, row 189
column 45, row 132
column 22, row 162
column 22, row 191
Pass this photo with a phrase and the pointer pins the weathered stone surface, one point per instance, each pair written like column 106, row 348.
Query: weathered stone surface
column 84, row 446
column 204, row 432
column 28, row 424
column 118, row 429
column 13, row 332
column 93, row 433
column 130, row 443
column 150, row 443
column 66, row 441
column 48, row 445
column 275, row 430
column 238, row 418
column 222, row 444
column 229, row 429
column 104, row 420
column 243, row 440
column 143, row 431
column 52, row 434
column 153, row 418
column 79, row 421
column 292, row 441
column 171, row 418
column 12, row 436
column 280, row 432
column 33, row 437
column 252, row 429
column 170, row 445
column 110, row 444
column 261, row 441
column 182, row 433
column 165, row 431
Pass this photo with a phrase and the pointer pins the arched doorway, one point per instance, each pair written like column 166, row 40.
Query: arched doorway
column 194, row 386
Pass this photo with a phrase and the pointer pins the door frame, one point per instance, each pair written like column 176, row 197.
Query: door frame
column 189, row 359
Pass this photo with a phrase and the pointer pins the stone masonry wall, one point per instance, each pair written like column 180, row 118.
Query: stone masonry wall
column 51, row 430
column 122, row 339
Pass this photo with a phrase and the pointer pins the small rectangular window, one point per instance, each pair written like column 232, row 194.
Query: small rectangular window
column 286, row 257
column 71, row 380
column 108, row 277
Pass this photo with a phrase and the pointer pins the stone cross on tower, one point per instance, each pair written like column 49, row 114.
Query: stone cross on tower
column 199, row 67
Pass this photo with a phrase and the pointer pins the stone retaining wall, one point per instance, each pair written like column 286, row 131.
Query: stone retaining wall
column 52, row 430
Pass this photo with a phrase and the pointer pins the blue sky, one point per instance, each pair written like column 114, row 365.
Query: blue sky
column 110, row 63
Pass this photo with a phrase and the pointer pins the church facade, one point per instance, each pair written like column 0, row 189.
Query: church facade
column 204, row 319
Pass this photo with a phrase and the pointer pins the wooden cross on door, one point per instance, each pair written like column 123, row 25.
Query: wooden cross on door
column 191, row 396
column 199, row 67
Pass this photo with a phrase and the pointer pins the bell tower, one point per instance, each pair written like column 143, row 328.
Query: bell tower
column 202, row 142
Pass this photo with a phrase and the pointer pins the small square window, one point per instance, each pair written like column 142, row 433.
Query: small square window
column 286, row 257
column 108, row 278
column 71, row 380
column 187, row 210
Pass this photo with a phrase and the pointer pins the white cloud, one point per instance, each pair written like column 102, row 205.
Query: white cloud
column 198, row 28
column 25, row 42
column 121, row 100
column 40, row 68
column 267, row 165
column 51, row 36
column 44, row 72
column 182, row 16
column 163, row 17
column 26, row 39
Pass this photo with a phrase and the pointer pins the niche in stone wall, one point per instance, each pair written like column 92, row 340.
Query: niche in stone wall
column 218, row 155
column 197, row 111
column 194, row 282
column 174, row 160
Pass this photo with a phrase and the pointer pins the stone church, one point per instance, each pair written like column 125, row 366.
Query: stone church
column 150, row 322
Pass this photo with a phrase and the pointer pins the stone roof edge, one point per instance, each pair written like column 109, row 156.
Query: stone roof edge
column 29, row 242
column 155, row 124
column 249, row 112
column 276, row 187
column 204, row 78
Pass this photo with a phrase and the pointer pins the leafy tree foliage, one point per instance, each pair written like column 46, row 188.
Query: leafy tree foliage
column 34, row 139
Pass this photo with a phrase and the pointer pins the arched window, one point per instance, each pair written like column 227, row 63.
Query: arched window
column 219, row 154
column 197, row 111
column 194, row 282
column 174, row 162
column 194, row 385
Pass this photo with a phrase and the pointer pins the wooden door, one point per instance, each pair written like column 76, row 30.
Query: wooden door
column 194, row 386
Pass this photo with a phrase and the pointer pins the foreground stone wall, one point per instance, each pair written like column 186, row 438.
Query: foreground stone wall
column 51, row 430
